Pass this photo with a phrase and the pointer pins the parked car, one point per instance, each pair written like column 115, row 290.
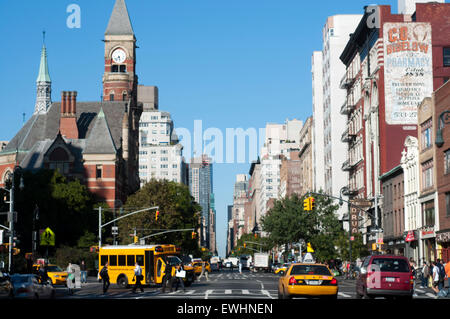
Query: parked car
column 385, row 276
column 28, row 286
column 6, row 288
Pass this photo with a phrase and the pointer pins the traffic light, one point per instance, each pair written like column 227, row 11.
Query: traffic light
column 307, row 204
column 245, row 245
column 194, row 235
column 135, row 239
column 156, row 215
column 312, row 203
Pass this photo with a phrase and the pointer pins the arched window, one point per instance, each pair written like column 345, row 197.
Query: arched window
column 111, row 96
column 124, row 95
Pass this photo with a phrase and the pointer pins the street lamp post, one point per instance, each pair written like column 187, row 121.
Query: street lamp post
column 12, row 215
column 441, row 122
column 100, row 226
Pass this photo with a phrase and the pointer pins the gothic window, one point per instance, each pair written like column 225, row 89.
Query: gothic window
column 122, row 68
column 111, row 96
column 114, row 68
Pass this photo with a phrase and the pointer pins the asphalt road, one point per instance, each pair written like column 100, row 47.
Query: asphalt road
column 224, row 284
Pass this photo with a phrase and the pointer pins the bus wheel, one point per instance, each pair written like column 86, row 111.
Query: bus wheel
column 122, row 281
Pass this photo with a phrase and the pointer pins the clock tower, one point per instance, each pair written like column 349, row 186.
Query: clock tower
column 119, row 78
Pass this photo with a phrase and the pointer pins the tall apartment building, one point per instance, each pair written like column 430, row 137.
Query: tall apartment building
column 318, row 144
column 306, row 157
column 280, row 140
column 201, row 186
column 328, row 149
column 160, row 153
column 240, row 198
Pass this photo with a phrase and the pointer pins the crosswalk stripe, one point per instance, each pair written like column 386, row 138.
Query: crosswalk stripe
column 228, row 292
column 343, row 295
column 245, row 292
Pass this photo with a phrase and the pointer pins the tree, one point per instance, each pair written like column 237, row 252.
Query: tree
column 64, row 205
column 343, row 246
column 287, row 223
column 177, row 210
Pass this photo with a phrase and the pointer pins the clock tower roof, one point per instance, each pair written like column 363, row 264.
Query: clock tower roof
column 119, row 22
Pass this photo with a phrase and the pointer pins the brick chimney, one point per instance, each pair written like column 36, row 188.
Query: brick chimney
column 68, row 121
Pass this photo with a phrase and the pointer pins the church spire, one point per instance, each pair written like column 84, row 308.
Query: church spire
column 43, row 83
column 119, row 22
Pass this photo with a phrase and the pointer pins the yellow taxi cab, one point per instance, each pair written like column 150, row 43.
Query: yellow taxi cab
column 54, row 272
column 198, row 267
column 282, row 269
column 307, row 280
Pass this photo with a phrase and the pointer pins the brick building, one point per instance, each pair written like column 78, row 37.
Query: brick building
column 96, row 142
column 441, row 99
column 393, row 61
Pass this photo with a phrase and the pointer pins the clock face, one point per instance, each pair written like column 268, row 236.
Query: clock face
column 119, row 56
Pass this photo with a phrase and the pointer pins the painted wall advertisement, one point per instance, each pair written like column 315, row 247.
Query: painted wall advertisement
column 408, row 69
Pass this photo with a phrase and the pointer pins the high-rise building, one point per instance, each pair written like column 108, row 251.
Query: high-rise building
column 160, row 153
column 318, row 144
column 335, row 35
column 201, row 186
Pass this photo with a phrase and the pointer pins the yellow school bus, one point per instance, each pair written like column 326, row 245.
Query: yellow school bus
column 153, row 260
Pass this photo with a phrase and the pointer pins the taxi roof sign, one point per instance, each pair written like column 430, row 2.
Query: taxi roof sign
column 308, row 258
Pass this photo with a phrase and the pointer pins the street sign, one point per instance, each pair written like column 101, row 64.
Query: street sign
column 48, row 237
column 354, row 222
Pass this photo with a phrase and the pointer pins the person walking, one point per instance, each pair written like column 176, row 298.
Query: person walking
column 435, row 276
column 240, row 266
column 179, row 277
column 425, row 275
column 204, row 271
column 441, row 274
column 412, row 264
column 43, row 275
column 138, row 277
column 105, row 277
column 167, row 279
column 70, row 280
column 447, row 272
column 83, row 270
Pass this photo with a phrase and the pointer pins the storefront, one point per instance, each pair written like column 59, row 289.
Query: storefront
column 443, row 240
column 395, row 246
column 428, row 238
column 411, row 240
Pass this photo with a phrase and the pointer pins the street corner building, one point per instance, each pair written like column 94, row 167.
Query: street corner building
column 95, row 142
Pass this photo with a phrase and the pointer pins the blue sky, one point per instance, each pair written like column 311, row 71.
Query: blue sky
column 231, row 64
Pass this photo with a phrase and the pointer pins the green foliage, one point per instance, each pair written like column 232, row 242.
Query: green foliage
column 65, row 206
column 177, row 208
column 359, row 250
column 74, row 255
column 288, row 223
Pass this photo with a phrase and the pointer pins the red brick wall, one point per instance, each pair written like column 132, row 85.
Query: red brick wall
column 442, row 103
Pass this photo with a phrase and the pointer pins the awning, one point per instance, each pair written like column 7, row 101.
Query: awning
column 410, row 236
